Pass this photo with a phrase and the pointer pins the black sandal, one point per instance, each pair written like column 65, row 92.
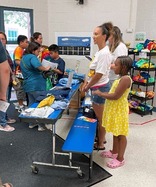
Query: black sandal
column 96, row 140
column 99, row 148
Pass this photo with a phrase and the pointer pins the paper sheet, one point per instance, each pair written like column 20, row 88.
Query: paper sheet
column 70, row 77
column 46, row 63
column 88, row 101
column 4, row 106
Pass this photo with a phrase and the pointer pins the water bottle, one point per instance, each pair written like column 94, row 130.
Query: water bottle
column 77, row 66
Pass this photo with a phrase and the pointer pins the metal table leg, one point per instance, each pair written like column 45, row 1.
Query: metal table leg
column 90, row 165
column 54, row 153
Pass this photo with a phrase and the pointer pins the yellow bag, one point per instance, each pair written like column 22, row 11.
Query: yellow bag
column 48, row 101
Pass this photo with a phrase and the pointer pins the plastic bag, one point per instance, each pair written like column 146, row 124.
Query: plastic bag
column 48, row 101
column 89, row 112
column 16, row 83
column 46, row 74
column 49, row 84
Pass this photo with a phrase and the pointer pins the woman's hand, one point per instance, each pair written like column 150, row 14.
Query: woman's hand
column 84, row 87
column 47, row 68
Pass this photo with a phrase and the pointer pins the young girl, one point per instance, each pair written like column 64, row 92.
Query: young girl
column 115, row 115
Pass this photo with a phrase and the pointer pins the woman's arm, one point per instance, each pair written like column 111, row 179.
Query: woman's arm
column 93, row 81
column 57, row 71
column 4, row 79
column 42, row 68
column 4, row 73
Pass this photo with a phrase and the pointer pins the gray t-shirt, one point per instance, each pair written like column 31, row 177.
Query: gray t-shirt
column 3, row 56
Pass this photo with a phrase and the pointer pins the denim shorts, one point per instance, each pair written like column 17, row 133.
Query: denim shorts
column 97, row 99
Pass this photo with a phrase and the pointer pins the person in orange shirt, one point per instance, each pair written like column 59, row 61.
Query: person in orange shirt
column 18, row 53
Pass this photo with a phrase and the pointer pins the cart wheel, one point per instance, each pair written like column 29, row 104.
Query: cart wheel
column 81, row 175
column 34, row 169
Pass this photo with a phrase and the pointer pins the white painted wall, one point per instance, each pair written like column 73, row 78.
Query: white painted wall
column 51, row 16
column 146, row 19
column 67, row 16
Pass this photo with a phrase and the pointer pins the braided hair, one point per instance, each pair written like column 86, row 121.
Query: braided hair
column 126, row 64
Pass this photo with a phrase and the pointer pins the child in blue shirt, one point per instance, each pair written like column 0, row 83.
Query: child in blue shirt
column 55, row 58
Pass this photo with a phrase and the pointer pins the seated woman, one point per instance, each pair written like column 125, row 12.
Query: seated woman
column 31, row 68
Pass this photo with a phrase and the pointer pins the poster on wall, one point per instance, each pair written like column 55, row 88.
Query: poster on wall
column 74, row 45
column 140, row 37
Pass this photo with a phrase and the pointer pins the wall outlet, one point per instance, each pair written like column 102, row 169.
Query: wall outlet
column 129, row 30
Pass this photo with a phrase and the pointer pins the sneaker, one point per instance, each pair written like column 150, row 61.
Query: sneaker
column 48, row 126
column 11, row 120
column 40, row 128
column 31, row 126
column 17, row 107
column 7, row 128
column 20, row 107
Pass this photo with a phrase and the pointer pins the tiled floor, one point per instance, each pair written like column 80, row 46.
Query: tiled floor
column 140, row 160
